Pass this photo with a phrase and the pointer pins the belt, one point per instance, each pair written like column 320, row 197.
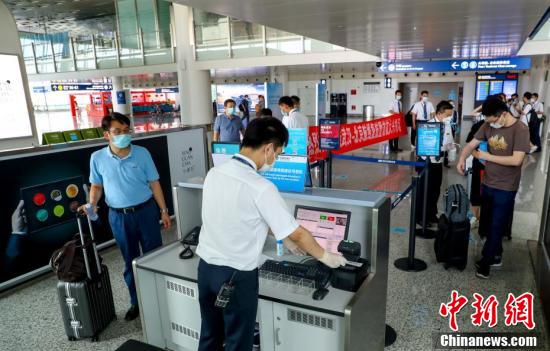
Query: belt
column 132, row 209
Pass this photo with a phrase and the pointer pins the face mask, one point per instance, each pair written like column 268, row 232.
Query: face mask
column 398, row 97
column 230, row 110
column 447, row 119
column 533, row 100
column 425, row 98
column 284, row 113
column 452, row 104
column 266, row 166
column 496, row 124
column 121, row 141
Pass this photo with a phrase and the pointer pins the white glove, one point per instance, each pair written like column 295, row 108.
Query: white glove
column 292, row 247
column 333, row 260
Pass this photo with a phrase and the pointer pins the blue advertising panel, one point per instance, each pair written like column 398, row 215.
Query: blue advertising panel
column 289, row 173
column 273, row 92
column 498, row 64
column 120, row 97
column 297, row 142
column 329, row 134
column 429, row 138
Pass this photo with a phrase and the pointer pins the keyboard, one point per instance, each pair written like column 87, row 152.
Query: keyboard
column 317, row 273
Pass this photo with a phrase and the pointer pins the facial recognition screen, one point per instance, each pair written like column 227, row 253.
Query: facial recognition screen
column 328, row 227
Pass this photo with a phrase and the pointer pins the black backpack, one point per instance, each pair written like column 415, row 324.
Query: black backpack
column 409, row 117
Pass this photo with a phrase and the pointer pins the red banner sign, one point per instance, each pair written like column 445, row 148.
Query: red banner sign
column 357, row 135
column 313, row 147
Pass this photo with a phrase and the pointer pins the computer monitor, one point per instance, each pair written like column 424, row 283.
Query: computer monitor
column 328, row 226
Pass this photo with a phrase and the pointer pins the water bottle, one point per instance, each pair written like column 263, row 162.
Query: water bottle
column 280, row 248
column 90, row 212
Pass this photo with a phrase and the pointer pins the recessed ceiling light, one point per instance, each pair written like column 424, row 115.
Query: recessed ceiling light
column 339, row 27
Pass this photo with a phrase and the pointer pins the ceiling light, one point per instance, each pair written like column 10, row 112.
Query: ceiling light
column 340, row 27
column 414, row 28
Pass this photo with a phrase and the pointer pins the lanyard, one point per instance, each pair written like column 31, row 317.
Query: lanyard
column 243, row 162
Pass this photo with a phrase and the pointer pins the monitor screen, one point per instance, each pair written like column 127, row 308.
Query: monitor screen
column 429, row 137
column 328, row 227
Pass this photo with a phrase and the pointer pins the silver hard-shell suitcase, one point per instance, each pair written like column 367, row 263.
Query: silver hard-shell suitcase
column 87, row 307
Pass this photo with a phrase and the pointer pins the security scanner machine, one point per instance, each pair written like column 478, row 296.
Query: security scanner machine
column 295, row 310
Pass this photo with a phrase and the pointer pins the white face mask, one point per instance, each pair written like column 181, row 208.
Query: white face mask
column 398, row 97
column 425, row 98
column 496, row 124
column 284, row 113
column 447, row 119
column 533, row 101
column 266, row 166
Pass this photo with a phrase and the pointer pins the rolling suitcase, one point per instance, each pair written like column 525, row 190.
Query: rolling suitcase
column 451, row 242
column 87, row 306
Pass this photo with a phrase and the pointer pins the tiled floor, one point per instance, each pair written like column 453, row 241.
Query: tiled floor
column 31, row 320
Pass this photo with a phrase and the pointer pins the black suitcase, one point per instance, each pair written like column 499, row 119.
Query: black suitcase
column 87, row 307
column 453, row 236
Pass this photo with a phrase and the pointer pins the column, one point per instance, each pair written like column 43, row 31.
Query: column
column 194, row 84
column 122, row 101
column 279, row 75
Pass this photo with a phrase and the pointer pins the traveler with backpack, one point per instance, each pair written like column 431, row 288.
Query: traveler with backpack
column 508, row 142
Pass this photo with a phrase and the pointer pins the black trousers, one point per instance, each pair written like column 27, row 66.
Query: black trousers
column 413, row 136
column 234, row 325
column 435, row 179
column 394, row 144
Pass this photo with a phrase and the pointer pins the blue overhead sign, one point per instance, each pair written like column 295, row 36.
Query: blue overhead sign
column 499, row 64
column 81, row 86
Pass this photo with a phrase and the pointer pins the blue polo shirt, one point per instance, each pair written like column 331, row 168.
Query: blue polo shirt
column 229, row 129
column 125, row 180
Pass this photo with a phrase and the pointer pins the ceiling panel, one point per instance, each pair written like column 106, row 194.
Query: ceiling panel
column 58, row 16
column 394, row 29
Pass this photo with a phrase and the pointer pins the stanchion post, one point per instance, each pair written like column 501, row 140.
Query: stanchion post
column 321, row 173
column 409, row 263
column 329, row 169
column 424, row 233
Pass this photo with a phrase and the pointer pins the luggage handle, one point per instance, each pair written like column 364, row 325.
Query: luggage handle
column 82, row 240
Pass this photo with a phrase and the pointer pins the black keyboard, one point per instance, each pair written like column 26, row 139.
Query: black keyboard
column 316, row 272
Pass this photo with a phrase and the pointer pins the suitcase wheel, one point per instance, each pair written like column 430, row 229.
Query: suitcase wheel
column 446, row 266
column 95, row 338
column 72, row 338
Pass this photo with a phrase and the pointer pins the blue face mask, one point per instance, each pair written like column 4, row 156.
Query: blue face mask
column 122, row 141
column 230, row 110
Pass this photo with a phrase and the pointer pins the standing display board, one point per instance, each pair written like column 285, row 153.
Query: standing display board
column 329, row 134
column 15, row 119
column 429, row 137
column 289, row 173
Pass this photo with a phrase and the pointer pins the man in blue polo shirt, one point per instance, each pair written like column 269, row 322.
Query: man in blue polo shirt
column 133, row 193
column 228, row 126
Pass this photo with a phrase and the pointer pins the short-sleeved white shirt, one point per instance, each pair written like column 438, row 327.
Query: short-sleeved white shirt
column 418, row 108
column 525, row 113
column 295, row 119
column 539, row 107
column 396, row 106
column 238, row 208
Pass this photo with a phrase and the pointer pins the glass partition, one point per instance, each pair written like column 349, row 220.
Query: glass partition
column 246, row 38
column 279, row 42
column 211, row 35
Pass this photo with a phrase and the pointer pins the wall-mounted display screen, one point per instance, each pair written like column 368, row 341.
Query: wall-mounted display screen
column 491, row 84
column 15, row 118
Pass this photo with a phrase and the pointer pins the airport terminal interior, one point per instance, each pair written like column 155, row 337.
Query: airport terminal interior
column 416, row 159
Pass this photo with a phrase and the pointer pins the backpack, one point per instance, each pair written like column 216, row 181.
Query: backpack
column 68, row 261
column 409, row 117
column 533, row 118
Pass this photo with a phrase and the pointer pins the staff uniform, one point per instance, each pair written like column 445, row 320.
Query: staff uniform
column 396, row 107
column 229, row 129
column 133, row 214
column 423, row 112
column 435, row 179
column 295, row 119
column 238, row 208
column 513, row 111
column 525, row 113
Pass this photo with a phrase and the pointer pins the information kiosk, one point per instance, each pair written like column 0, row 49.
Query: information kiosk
column 289, row 317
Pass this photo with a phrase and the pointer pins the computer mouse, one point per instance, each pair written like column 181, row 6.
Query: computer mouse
column 320, row 293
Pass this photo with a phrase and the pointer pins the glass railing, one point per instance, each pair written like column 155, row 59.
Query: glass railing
column 220, row 37
column 99, row 51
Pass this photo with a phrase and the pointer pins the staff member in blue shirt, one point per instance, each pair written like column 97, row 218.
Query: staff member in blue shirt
column 228, row 126
column 133, row 193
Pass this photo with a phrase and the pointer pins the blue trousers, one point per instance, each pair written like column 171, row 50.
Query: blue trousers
column 132, row 230
column 234, row 325
column 501, row 203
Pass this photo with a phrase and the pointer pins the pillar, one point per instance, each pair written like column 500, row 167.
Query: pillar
column 122, row 101
column 279, row 75
column 194, row 84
